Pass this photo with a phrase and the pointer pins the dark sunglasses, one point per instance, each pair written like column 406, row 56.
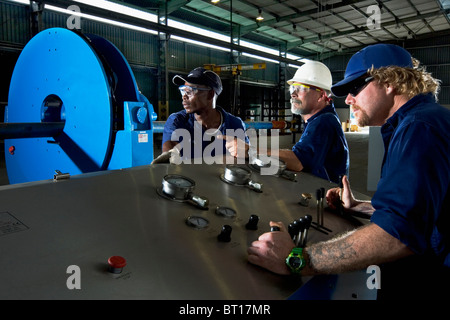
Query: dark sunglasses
column 359, row 86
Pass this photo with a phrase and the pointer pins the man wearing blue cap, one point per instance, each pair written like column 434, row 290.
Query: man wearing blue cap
column 409, row 232
column 189, row 132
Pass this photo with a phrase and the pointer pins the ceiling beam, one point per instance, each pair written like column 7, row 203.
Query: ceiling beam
column 294, row 44
column 298, row 14
column 120, row 17
column 444, row 33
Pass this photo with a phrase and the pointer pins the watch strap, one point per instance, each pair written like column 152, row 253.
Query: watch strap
column 295, row 260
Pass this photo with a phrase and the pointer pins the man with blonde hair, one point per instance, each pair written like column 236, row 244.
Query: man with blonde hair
column 409, row 232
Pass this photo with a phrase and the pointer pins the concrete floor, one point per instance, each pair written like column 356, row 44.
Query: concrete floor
column 357, row 141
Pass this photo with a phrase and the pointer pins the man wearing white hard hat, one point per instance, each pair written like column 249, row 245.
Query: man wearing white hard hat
column 322, row 149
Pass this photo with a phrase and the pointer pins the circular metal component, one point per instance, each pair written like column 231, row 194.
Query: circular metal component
column 304, row 201
column 240, row 176
column 197, row 222
column 59, row 76
column 225, row 212
column 258, row 164
column 160, row 192
column 177, row 186
column 237, row 174
column 77, row 79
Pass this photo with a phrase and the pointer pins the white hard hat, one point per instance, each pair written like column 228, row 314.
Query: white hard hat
column 314, row 73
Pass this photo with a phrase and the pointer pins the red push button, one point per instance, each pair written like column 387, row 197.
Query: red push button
column 12, row 149
column 116, row 264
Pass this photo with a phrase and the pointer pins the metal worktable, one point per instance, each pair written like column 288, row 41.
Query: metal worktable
column 47, row 226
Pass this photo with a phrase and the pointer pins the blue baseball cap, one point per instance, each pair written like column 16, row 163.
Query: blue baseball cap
column 201, row 76
column 377, row 56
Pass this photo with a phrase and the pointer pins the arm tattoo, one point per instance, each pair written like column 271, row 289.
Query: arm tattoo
column 333, row 256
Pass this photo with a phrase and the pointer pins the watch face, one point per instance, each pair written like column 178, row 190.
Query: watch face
column 295, row 262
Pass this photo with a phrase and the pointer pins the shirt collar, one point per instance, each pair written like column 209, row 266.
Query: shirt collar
column 404, row 109
column 191, row 118
column 327, row 109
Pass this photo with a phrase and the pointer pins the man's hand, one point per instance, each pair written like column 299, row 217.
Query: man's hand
column 236, row 147
column 172, row 156
column 334, row 195
column 271, row 249
column 347, row 199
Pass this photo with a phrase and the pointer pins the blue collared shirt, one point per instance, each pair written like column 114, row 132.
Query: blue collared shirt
column 201, row 141
column 412, row 199
column 322, row 148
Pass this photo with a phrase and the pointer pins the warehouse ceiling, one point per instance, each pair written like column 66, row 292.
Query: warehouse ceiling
column 309, row 28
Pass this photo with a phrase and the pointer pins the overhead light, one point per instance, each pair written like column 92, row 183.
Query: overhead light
column 171, row 23
column 215, row 1
column 259, row 17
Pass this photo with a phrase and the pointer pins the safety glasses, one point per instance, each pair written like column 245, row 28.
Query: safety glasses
column 298, row 87
column 191, row 91
column 359, row 86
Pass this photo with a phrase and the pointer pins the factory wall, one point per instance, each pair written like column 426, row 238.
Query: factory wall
column 142, row 52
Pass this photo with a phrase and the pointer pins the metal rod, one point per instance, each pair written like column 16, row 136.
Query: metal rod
column 322, row 197
column 158, row 126
column 17, row 130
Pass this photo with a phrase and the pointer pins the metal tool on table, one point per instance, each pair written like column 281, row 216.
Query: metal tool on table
column 298, row 230
column 281, row 169
column 240, row 176
column 180, row 188
column 307, row 222
column 304, row 200
column 319, row 224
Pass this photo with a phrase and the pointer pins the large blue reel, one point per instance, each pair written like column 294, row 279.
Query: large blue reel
column 85, row 82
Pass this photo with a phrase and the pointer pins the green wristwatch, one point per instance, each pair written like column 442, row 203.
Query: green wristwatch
column 295, row 260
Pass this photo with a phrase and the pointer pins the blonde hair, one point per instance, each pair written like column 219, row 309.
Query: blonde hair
column 407, row 81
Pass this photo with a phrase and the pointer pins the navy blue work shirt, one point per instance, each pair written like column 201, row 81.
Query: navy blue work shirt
column 322, row 148
column 200, row 140
column 412, row 199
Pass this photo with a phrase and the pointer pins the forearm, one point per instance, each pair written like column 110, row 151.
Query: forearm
column 355, row 250
column 362, row 206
